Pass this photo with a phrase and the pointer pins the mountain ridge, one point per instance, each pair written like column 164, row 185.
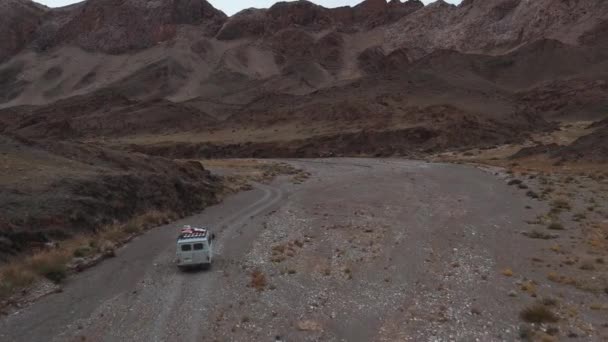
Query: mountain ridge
column 495, row 61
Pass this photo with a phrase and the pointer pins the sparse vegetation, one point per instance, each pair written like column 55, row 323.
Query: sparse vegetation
column 529, row 287
column 258, row 280
column 514, row 182
column 587, row 265
column 535, row 234
column 548, row 301
column 532, row 194
column 53, row 263
column 560, row 279
column 560, row 204
column 579, row 217
column 507, row 272
column 538, row 313
column 555, row 226
column 13, row 277
column 83, row 251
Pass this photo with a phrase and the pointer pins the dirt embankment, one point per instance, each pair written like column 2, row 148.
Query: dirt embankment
column 592, row 148
column 53, row 190
column 411, row 142
column 589, row 147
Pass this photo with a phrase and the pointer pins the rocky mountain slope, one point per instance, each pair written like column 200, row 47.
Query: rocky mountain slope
column 52, row 190
column 84, row 89
column 180, row 71
column 19, row 24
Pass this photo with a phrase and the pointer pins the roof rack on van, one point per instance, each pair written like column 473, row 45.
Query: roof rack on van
column 189, row 232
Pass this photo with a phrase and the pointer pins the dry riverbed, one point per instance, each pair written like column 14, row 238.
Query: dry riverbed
column 361, row 250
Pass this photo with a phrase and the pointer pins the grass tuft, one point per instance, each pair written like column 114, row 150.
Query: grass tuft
column 535, row 234
column 555, row 226
column 538, row 313
column 51, row 265
column 560, row 204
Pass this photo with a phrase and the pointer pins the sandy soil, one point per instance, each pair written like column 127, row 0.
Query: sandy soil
column 364, row 250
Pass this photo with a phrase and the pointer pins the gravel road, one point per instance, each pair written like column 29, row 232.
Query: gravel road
column 364, row 250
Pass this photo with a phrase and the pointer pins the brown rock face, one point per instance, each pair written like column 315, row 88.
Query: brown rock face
column 306, row 15
column 20, row 20
column 546, row 58
column 373, row 13
column 375, row 61
column 117, row 26
column 283, row 15
column 496, row 26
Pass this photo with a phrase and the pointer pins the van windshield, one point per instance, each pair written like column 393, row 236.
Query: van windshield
column 198, row 246
column 186, row 248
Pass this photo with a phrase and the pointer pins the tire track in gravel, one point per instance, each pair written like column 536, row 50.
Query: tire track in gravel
column 186, row 304
column 120, row 299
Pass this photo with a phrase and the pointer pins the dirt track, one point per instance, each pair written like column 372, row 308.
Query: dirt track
column 372, row 250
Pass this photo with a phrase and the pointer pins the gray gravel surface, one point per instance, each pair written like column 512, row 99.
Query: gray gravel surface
column 364, row 250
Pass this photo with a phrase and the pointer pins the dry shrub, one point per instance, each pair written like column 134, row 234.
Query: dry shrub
column 535, row 234
column 277, row 258
column 50, row 264
column 529, row 287
column 153, row 218
column 532, row 194
column 548, row 301
column 14, row 276
column 258, row 280
column 561, row 279
column 555, row 226
column 587, row 265
column 132, row 227
column 579, row 217
column 278, row 249
column 514, row 182
column 538, row 313
column 118, row 233
column 147, row 220
column 114, row 233
column 83, row 251
column 53, row 264
column 561, row 204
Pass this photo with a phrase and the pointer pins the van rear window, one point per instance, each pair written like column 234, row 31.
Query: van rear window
column 198, row 246
column 186, row 247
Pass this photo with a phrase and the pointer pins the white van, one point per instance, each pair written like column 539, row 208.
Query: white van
column 194, row 247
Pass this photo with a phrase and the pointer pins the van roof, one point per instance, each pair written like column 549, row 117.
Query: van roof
column 189, row 232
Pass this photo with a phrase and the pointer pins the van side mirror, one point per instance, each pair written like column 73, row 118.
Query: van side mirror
column 212, row 236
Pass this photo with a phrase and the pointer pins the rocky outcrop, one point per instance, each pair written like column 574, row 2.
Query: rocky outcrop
column 495, row 26
column 20, row 20
column 182, row 50
column 118, row 26
column 375, row 61
column 309, row 16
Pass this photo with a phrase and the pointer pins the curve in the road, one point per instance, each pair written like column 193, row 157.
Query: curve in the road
column 185, row 297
